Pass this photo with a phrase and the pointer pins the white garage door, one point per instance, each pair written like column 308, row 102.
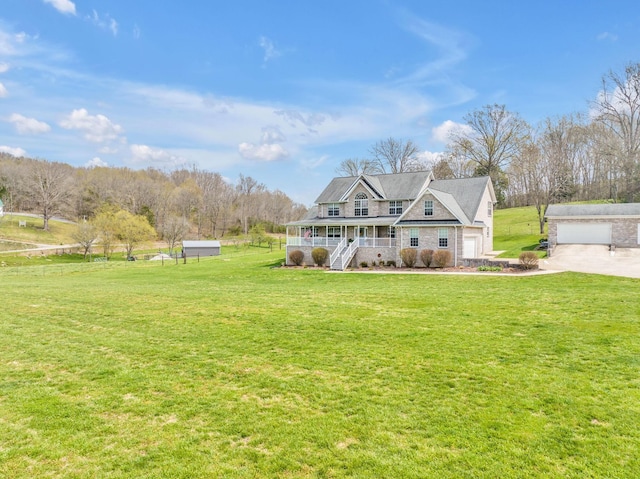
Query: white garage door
column 584, row 233
column 469, row 249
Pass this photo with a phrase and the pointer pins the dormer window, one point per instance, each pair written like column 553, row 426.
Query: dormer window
column 333, row 209
column 361, row 205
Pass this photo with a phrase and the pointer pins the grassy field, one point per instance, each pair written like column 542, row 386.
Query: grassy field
column 59, row 232
column 231, row 368
column 516, row 230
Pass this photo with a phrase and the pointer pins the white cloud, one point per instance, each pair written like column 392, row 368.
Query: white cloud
column 96, row 128
column 28, row 126
column 266, row 152
column 429, row 157
column 442, row 132
column 146, row 155
column 4, row 67
column 270, row 51
column 63, row 6
column 607, row 36
column 12, row 151
column 96, row 162
column 106, row 22
column 3, row 91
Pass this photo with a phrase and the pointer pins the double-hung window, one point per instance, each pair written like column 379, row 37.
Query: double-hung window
column 395, row 207
column 361, row 205
column 428, row 207
column 333, row 209
column 413, row 237
column 443, row 237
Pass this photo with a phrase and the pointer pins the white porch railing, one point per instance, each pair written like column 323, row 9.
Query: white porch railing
column 337, row 251
column 326, row 241
column 313, row 241
column 376, row 242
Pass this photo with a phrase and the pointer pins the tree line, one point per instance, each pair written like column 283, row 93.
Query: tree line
column 188, row 202
column 593, row 155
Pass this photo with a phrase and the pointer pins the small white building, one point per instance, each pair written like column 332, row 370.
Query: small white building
column 192, row 249
column 1, row 208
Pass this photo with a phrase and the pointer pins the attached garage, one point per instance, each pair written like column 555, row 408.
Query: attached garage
column 615, row 224
column 470, row 247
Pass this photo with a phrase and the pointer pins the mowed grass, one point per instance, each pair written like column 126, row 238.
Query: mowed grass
column 59, row 232
column 517, row 230
column 230, row 368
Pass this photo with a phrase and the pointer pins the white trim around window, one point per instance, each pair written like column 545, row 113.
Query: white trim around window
column 443, row 237
column 428, row 207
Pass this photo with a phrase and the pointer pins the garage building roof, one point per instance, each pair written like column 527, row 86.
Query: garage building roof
column 593, row 210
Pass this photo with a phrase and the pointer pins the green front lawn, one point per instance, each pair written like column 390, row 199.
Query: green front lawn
column 231, row 368
column 516, row 230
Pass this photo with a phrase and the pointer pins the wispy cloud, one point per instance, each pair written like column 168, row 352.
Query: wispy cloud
column 3, row 91
column 136, row 32
column 105, row 22
column 4, row 67
column 606, row 36
column 28, row 126
column 269, row 148
column 96, row 128
column 63, row 6
column 270, row 51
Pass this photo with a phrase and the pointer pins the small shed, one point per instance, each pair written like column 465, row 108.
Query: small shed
column 616, row 224
column 191, row 249
column 1, row 208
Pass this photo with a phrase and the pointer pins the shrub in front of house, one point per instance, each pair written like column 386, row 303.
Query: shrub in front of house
column 409, row 257
column 528, row 260
column 426, row 256
column 296, row 257
column 441, row 258
column 364, row 264
column 391, row 263
column 319, row 256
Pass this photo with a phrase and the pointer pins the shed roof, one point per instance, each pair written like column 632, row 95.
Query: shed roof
column 593, row 210
column 201, row 244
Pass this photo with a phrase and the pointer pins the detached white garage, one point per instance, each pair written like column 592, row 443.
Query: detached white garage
column 584, row 233
column 616, row 224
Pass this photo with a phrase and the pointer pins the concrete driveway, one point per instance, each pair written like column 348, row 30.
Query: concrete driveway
column 594, row 259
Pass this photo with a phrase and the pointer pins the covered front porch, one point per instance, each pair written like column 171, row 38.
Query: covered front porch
column 349, row 241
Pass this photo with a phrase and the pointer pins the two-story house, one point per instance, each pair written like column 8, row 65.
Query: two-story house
column 370, row 218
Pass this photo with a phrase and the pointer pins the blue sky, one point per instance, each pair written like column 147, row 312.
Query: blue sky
column 283, row 91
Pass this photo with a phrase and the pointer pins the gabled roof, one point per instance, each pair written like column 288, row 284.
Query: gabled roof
column 593, row 210
column 468, row 192
column 398, row 186
column 462, row 197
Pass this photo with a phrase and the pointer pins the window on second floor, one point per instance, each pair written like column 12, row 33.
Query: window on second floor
column 395, row 207
column 361, row 205
column 333, row 209
column 428, row 207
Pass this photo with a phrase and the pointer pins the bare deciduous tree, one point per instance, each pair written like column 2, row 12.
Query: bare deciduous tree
column 618, row 108
column 396, row 156
column 496, row 137
column 49, row 184
column 357, row 167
